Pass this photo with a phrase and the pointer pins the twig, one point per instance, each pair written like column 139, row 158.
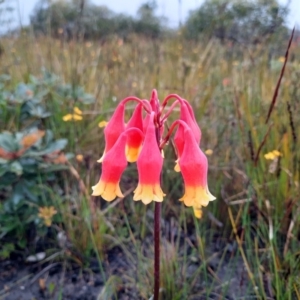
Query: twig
column 280, row 77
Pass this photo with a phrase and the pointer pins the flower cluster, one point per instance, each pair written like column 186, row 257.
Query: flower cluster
column 76, row 116
column 142, row 140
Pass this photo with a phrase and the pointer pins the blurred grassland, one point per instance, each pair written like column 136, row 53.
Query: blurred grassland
column 230, row 88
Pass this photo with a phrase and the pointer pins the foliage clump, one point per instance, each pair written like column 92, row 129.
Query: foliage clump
column 32, row 159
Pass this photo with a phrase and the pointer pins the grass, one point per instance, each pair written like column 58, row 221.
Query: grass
column 247, row 243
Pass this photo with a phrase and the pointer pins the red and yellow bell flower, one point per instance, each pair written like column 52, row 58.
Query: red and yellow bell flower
column 142, row 141
column 194, row 166
column 113, row 165
column 149, row 166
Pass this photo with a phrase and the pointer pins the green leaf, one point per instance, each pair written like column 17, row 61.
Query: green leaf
column 22, row 243
column 8, row 142
column 50, row 148
column 6, row 249
column 16, row 197
column 3, row 161
column 16, row 167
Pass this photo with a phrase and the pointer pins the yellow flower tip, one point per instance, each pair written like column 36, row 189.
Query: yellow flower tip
column 281, row 59
column 148, row 193
column 102, row 124
column 197, row 212
column 132, row 153
column 77, row 111
column 177, row 167
column 199, row 196
column 162, row 153
column 107, row 190
column 209, row 152
column 79, row 158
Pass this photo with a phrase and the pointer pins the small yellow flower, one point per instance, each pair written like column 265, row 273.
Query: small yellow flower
column 102, row 124
column 46, row 213
column 79, row 157
column 281, row 59
column 67, row 117
column 77, row 111
column 209, row 152
column 276, row 153
column 70, row 117
column 272, row 155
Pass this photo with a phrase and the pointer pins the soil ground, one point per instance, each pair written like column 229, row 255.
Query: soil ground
column 19, row 281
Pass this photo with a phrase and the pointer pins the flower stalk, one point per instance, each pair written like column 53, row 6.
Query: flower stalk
column 157, row 213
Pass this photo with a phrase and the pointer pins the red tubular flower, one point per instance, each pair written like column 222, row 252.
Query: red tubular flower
column 192, row 122
column 114, row 129
column 113, row 165
column 149, row 166
column 186, row 115
column 134, row 139
column 194, row 166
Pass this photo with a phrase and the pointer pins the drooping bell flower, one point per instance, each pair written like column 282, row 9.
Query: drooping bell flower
column 186, row 115
column 113, row 165
column 114, row 129
column 149, row 165
column 194, row 166
column 134, row 138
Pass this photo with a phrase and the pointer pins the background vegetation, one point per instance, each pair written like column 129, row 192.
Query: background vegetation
column 247, row 243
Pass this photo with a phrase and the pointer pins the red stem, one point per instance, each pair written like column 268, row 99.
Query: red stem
column 157, row 213
column 165, row 102
column 174, row 124
column 145, row 104
column 166, row 115
column 169, row 97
